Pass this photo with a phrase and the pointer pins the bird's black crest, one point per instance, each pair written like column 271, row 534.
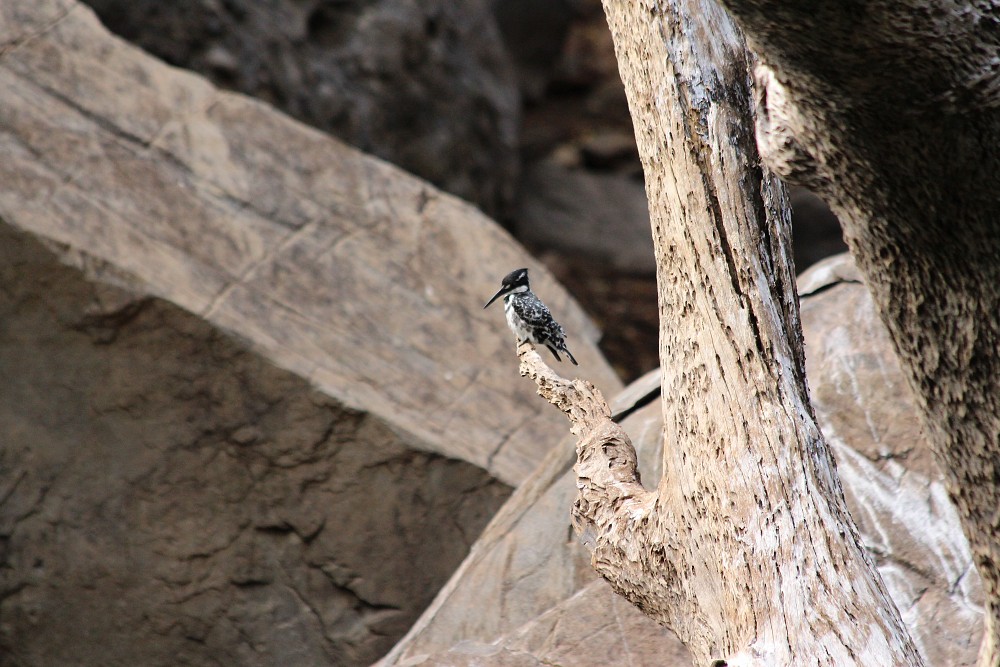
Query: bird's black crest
column 516, row 277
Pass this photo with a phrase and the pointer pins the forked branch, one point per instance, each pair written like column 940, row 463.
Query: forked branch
column 613, row 514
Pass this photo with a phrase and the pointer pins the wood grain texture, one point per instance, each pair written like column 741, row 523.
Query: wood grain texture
column 891, row 111
column 746, row 549
column 525, row 570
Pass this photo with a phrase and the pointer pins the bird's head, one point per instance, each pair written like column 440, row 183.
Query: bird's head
column 512, row 283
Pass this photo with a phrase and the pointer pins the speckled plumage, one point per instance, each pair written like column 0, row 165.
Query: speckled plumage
column 528, row 317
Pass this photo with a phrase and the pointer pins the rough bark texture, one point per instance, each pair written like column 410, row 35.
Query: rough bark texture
column 524, row 572
column 889, row 110
column 641, row 544
column 746, row 549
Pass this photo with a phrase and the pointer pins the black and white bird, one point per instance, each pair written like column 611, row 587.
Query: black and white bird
column 528, row 317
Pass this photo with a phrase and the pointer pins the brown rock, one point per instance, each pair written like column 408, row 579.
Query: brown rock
column 601, row 216
column 535, row 32
column 893, row 487
column 426, row 85
column 609, row 149
column 259, row 414
column 528, row 564
column 815, row 229
column 594, row 628
column 172, row 498
column 275, row 232
column 588, row 53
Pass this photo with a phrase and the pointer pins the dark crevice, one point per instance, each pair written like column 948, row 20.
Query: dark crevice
column 829, row 286
column 639, row 404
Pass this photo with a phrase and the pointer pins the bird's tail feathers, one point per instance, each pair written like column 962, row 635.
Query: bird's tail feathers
column 555, row 353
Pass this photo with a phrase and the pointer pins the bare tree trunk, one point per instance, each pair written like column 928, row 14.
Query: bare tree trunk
column 891, row 111
column 745, row 548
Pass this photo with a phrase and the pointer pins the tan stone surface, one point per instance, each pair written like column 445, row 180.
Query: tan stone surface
column 169, row 497
column 427, row 86
column 528, row 561
column 252, row 411
column 893, row 487
column 337, row 266
column 593, row 628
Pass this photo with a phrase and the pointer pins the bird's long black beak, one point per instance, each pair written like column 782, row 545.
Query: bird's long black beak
column 501, row 292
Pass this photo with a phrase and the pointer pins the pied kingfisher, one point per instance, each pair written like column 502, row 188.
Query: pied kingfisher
column 528, row 317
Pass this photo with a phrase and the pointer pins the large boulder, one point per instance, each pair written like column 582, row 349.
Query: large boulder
column 334, row 265
column 173, row 498
column 252, row 410
column 527, row 569
column 593, row 628
column 893, row 487
column 601, row 216
column 425, row 84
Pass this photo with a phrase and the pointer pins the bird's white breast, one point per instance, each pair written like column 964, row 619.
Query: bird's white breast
column 515, row 322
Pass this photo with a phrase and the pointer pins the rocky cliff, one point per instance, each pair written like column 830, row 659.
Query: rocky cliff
column 252, row 410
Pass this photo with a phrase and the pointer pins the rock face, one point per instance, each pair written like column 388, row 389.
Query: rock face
column 334, row 265
column 593, row 628
column 531, row 585
column 601, row 216
column 428, row 85
column 171, row 498
column 425, row 84
column 252, row 412
column 527, row 569
column 891, row 482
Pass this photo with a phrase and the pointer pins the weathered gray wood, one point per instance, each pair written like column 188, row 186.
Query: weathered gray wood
column 523, row 571
column 890, row 111
column 745, row 548
column 523, row 564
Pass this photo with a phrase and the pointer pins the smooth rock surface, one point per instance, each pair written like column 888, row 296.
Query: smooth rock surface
column 893, row 487
column 333, row 264
column 601, row 216
column 593, row 628
column 528, row 564
column 169, row 497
